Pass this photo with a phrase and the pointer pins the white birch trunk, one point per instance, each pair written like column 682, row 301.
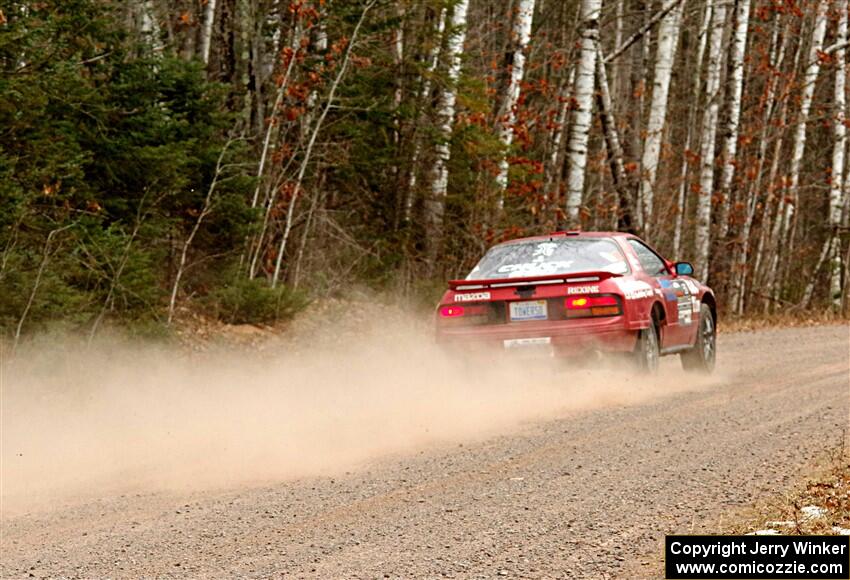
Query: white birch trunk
column 770, row 230
column 521, row 34
column 272, row 127
column 305, row 162
column 205, row 211
column 831, row 252
column 619, row 14
column 206, row 31
column 318, row 47
column 682, row 199
column 433, row 59
column 785, row 215
column 730, row 142
column 741, row 256
column 582, row 116
column 436, row 203
column 612, row 141
column 709, row 133
column 668, row 40
column 553, row 167
column 838, row 188
column 151, row 29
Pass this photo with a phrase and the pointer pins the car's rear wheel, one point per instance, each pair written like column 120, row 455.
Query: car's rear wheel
column 647, row 351
column 701, row 358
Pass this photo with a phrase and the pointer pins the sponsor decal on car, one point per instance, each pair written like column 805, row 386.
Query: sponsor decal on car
column 681, row 292
column 472, row 297
column 635, row 289
column 685, row 312
column 582, row 290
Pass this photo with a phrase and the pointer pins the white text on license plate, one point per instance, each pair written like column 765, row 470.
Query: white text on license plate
column 528, row 310
column 527, row 342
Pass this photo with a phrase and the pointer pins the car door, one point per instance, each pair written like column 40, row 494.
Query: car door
column 676, row 295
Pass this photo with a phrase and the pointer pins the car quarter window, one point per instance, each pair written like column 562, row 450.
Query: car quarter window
column 651, row 262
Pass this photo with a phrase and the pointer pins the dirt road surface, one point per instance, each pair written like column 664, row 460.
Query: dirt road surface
column 586, row 495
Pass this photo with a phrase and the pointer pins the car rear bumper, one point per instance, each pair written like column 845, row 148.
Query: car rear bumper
column 566, row 337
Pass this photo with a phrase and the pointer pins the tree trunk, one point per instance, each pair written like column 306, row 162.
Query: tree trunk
column 305, row 162
column 709, row 133
column 272, row 127
column 206, row 31
column 741, row 253
column 435, row 205
column 552, row 183
column 614, row 148
column 668, row 39
column 682, row 199
column 45, row 256
column 205, row 211
column 621, row 48
column 786, row 213
column 515, row 63
column 838, row 188
column 831, row 252
column 730, row 141
column 582, row 116
column 223, row 60
column 771, row 228
column 424, row 92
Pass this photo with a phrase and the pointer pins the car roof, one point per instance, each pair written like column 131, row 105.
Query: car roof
column 568, row 234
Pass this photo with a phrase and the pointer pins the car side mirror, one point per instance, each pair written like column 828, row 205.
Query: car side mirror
column 684, row 269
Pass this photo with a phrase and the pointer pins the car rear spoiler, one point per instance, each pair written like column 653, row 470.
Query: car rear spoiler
column 576, row 277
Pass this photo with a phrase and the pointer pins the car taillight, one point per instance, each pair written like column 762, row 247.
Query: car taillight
column 451, row 311
column 592, row 305
column 456, row 311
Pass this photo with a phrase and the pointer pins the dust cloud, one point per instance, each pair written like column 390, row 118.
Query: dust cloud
column 120, row 417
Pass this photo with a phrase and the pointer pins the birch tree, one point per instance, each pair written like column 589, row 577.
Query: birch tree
column 681, row 200
column 435, row 204
column 837, row 185
column 730, row 141
column 207, row 29
column 668, row 39
column 709, row 133
column 786, row 209
column 778, row 48
column 520, row 36
column 613, row 146
column 555, row 161
column 305, row 162
column 582, row 116
column 424, row 91
column 831, row 251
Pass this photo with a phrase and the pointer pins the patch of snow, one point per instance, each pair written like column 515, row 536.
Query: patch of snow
column 781, row 523
column 811, row 512
column 841, row 531
column 764, row 533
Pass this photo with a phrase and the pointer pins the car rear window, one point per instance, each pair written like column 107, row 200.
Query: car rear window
column 548, row 257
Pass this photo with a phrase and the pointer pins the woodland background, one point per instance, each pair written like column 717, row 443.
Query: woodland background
column 238, row 157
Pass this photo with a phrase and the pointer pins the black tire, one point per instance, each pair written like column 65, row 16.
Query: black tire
column 701, row 358
column 648, row 350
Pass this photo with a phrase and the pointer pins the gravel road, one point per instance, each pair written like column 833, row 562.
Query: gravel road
column 583, row 496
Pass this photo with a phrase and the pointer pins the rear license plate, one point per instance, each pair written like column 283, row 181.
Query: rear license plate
column 527, row 342
column 528, row 310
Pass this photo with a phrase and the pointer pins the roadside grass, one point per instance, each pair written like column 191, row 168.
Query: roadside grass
column 779, row 320
column 819, row 505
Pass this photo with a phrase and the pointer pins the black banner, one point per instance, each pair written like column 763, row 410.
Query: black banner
column 766, row 557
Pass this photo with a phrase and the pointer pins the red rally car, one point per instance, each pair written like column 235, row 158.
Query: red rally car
column 570, row 293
